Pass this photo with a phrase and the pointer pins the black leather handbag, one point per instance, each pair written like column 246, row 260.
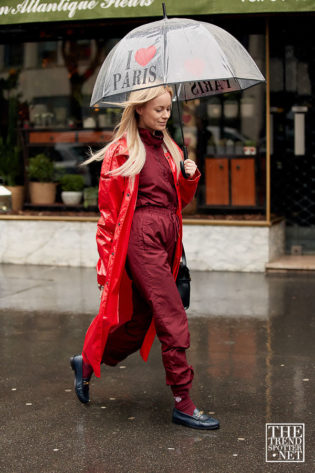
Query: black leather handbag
column 183, row 281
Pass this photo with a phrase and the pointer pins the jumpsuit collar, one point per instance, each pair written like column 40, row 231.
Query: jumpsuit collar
column 155, row 140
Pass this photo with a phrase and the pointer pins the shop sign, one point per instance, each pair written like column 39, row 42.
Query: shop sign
column 24, row 11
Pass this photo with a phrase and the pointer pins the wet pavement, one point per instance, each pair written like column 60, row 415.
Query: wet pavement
column 252, row 348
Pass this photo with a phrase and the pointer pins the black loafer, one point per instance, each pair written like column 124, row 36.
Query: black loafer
column 81, row 385
column 197, row 421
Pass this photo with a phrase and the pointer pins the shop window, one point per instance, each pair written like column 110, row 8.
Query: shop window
column 234, row 148
column 13, row 55
column 225, row 134
column 82, row 50
column 47, row 54
column 292, row 65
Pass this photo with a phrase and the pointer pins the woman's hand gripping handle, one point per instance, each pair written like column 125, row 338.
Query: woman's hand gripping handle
column 188, row 167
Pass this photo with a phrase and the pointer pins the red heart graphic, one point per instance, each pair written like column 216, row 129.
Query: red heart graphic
column 186, row 117
column 143, row 56
column 195, row 66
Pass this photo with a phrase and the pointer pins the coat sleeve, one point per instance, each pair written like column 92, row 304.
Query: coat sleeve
column 188, row 187
column 110, row 196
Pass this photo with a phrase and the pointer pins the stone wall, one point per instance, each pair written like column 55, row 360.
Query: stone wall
column 233, row 248
column 208, row 247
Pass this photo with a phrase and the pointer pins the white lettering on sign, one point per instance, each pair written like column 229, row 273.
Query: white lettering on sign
column 126, row 3
column 4, row 10
column 70, row 7
column 36, row 6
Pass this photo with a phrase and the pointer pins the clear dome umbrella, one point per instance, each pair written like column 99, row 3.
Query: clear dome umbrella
column 199, row 59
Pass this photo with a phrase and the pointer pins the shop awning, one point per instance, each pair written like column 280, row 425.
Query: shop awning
column 28, row 11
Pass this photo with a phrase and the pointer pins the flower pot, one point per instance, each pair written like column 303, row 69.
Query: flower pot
column 71, row 197
column 42, row 193
column 17, row 195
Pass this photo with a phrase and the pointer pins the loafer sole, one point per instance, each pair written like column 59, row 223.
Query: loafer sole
column 197, row 427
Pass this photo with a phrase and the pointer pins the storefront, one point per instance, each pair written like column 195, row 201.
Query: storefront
column 255, row 149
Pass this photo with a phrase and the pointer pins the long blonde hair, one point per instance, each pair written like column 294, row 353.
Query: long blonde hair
column 128, row 127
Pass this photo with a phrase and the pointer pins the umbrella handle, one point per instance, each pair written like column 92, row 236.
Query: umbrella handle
column 183, row 139
column 182, row 168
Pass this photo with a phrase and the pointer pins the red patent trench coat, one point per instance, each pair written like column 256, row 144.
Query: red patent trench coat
column 117, row 202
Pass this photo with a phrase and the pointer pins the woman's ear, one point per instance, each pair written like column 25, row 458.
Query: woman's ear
column 139, row 110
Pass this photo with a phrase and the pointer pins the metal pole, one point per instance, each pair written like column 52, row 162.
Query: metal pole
column 268, row 167
column 179, row 117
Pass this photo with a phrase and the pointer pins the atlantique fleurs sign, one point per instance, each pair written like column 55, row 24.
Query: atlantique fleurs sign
column 26, row 11
column 70, row 8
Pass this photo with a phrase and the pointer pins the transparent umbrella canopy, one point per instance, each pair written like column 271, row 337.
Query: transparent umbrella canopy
column 199, row 58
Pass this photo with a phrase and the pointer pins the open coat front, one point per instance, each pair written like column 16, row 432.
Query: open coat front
column 117, row 202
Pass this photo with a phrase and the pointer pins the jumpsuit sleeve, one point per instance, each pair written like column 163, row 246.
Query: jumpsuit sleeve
column 188, row 187
column 110, row 196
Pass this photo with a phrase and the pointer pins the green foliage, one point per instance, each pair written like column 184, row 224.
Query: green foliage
column 90, row 195
column 41, row 169
column 11, row 168
column 11, row 162
column 249, row 143
column 72, row 182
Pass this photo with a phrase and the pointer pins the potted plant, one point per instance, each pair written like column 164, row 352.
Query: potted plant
column 41, row 174
column 11, row 171
column 249, row 147
column 72, row 186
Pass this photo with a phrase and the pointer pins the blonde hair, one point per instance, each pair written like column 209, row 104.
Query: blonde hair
column 128, row 127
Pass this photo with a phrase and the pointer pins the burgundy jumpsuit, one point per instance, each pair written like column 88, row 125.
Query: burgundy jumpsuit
column 152, row 242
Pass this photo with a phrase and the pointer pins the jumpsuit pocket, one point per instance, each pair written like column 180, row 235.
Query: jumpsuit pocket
column 158, row 230
column 152, row 231
column 143, row 230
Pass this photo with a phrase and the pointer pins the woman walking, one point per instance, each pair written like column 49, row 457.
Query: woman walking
column 139, row 239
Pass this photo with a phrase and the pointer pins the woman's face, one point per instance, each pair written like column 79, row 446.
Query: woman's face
column 154, row 114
